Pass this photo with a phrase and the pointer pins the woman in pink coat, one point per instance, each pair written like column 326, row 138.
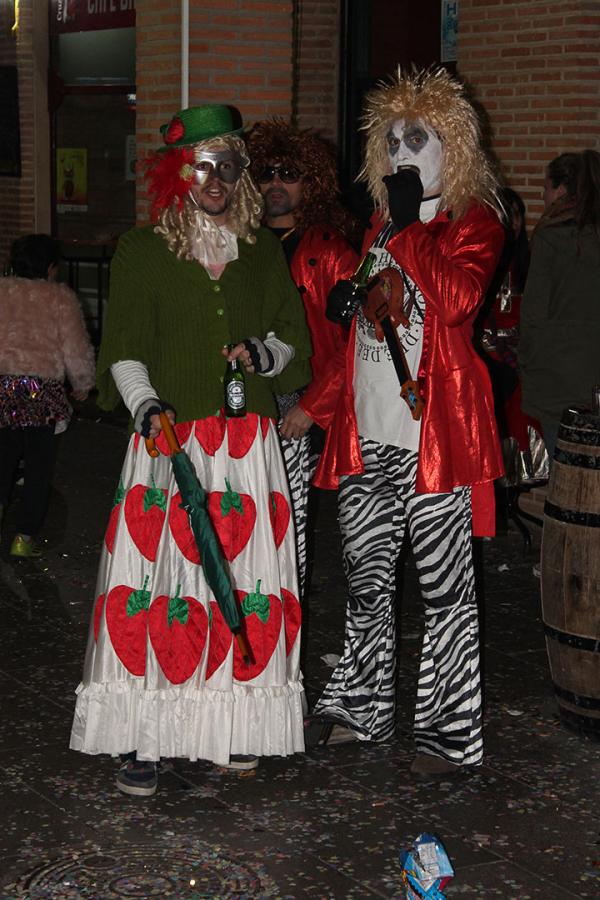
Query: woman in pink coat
column 43, row 339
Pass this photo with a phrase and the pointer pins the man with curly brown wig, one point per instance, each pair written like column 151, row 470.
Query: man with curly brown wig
column 412, row 435
column 296, row 173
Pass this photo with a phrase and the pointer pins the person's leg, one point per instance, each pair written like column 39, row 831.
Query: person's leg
column 11, row 450
column 550, row 435
column 40, row 445
column 362, row 690
column 448, row 711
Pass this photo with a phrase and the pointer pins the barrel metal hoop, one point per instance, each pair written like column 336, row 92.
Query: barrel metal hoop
column 573, row 640
column 579, row 700
column 577, row 460
column 571, row 516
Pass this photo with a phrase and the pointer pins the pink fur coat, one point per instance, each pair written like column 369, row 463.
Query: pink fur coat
column 42, row 332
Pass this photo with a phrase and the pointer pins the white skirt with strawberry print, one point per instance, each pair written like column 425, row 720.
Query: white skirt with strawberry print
column 163, row 675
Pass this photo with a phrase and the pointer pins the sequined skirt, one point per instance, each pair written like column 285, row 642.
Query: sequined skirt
column 30, row 400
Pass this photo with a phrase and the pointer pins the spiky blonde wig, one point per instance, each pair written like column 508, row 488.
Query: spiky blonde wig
column 177, row 220
column 434, row 97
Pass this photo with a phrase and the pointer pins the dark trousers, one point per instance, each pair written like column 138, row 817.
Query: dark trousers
column 36, row 445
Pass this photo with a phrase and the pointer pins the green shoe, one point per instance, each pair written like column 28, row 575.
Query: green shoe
column 24, row 549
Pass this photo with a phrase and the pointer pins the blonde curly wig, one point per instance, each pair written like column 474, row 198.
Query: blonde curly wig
column 177, row 223
column 434, row 97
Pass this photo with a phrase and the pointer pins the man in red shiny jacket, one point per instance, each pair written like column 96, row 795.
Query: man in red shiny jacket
column 296, row 173
column 423, row 462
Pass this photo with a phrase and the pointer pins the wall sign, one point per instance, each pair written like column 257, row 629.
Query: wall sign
column 91, row 15
column 71, row 179
column 449, row 35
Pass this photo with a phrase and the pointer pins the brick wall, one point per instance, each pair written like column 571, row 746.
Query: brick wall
column 534, row 66
column 25, row 201
column 317, row 55
column 158, row 80
column 241, row 52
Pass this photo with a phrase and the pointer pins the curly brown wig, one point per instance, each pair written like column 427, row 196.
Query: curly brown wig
column 435, row 97
column 273, row 140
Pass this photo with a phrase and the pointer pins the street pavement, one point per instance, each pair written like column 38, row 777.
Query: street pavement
column 329, row 823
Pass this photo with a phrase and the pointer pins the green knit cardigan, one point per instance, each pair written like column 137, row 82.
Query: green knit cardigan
column 170, row 315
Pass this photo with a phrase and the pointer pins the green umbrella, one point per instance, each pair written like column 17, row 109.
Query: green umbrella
column 193, row 500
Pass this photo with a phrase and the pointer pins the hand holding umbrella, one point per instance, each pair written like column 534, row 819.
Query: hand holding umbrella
column 193, row 500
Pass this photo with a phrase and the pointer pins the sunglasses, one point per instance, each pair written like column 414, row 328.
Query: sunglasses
column 287, row 174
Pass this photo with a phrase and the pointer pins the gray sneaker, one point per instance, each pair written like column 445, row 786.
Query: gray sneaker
column 137, row 778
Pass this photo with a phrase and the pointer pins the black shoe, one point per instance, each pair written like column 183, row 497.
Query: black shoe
column 320, row 731
column 137, row 778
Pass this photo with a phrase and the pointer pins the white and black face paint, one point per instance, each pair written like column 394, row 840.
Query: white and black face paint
column 416, row 144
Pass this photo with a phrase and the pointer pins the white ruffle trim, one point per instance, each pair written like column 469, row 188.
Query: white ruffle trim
column 187, row 722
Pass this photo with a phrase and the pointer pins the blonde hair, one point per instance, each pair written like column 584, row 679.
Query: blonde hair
column 434, row 97
column 177, row 224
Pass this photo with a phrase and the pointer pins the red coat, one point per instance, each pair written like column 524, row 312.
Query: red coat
column 321, row 258
column 452, row 263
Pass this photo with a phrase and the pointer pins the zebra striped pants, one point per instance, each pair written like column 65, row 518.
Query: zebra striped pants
column 300, row 464
column 375, row 510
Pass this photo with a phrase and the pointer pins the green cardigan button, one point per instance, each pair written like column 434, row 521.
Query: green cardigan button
column 220, row 312
column 216, row 288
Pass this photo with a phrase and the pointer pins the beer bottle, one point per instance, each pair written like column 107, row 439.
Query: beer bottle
column 363, row 272
column 235, row 389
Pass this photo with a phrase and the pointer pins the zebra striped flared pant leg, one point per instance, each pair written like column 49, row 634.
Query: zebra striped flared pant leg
column 375, row 510
column 300, row 466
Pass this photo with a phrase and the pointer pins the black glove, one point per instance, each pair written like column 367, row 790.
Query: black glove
column 344, row 299
column 144, row 412
column 260, row 355
column 405, row 193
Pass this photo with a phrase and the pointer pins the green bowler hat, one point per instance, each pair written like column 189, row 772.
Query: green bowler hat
column 199, row 123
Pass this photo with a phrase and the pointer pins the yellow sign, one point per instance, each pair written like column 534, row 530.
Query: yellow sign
column 71, row 179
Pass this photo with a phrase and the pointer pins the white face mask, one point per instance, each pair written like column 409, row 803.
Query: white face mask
column 416, row 144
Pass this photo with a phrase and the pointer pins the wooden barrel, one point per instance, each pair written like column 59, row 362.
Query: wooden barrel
column 570, row 570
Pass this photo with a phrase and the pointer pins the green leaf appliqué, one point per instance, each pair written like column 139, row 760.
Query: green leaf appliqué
column 178, row 609
column 231, row 500
column 257, row 603
column 138, row 600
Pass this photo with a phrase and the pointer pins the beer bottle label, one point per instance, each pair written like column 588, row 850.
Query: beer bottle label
column 236, row 395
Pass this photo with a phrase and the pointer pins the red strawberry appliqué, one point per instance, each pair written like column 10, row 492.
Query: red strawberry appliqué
column 219, row 640
column 210, row 433
column 126, row 620
column 182, row 431
column 178, row 627
column 262, row 626
column 179, row 523
column 111, row 530
column 241, row 434
column 233, row 516
column 98, row 607
column 279, row 513
column 292, row 618
column 145, row 513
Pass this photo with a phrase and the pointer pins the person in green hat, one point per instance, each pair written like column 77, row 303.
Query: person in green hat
column 203, row 284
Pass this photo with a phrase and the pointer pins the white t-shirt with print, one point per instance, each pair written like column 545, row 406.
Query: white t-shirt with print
column 381, row 413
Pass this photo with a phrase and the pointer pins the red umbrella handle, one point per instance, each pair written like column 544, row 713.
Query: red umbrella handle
column 170, row 435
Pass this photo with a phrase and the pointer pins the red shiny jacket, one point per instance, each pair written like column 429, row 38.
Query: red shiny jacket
column 452, row 263
column 321, row 258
